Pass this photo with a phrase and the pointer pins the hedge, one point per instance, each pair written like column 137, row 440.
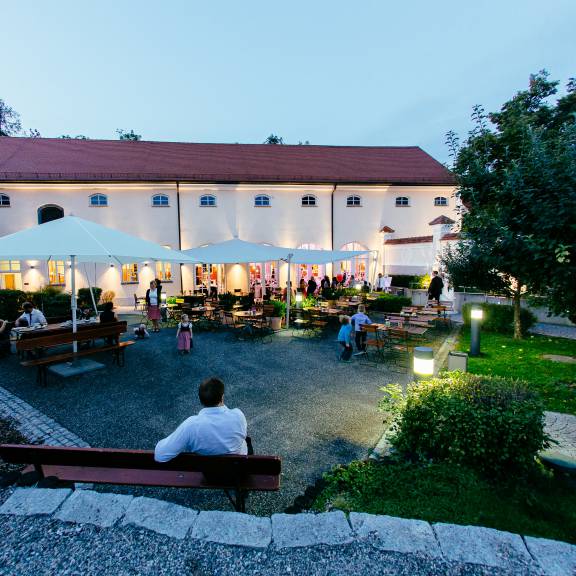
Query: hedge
column 499, row 317
column 389, row 303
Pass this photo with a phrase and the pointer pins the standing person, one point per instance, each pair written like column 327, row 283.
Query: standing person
column 435, row 288
column 153, row 299
column 31, row 316
column 360, row 319
column 345, row 338
column 325, row 284
column 258, row 294
column 302, row 287
column 312, row 286
column 351, row 282
column 184, row 335
column 380, row 283
column 334, row 283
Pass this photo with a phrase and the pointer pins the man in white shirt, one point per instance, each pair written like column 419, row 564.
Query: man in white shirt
column 359, row 319
column 380, row 283
column 31, row 316
column 214, row 431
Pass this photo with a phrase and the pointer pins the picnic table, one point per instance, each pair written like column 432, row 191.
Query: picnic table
column 27, row 332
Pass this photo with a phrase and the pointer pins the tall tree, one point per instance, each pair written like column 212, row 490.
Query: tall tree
column 274, row 139
column 516, row 175
column 10, row 124
column 125, row 135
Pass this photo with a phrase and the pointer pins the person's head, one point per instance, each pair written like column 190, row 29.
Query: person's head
column 27, row 307
column 184, row 318
column 142, row 327
column 334, row 279
column 361, row 309
column 211, row 392
column 153, row 285
column 108, row 306
column 435, row 273
column 379, row 274
column 344, row 320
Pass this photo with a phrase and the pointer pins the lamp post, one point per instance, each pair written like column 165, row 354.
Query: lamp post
column 476, row 314
column 423, row 362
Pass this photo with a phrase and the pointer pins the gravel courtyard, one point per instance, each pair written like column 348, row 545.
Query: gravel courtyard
column 300, row 403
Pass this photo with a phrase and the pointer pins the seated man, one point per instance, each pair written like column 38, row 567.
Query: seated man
column 214, row 431
column 31, row 316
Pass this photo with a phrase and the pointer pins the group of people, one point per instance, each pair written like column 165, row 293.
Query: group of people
column 351, row 331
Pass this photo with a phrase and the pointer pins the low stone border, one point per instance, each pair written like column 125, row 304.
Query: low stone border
column 34, row 425
column 445, row 542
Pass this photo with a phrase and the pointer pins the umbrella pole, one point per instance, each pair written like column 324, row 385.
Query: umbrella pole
column 73, row 284
column 288, row 292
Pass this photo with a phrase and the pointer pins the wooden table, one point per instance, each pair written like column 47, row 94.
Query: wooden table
column 411, row 330
column 50, row 330
column 247, row 314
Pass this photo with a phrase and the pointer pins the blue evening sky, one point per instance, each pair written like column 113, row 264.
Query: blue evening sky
column 328, row 71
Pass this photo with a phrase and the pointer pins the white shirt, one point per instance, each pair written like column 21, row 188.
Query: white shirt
column 213, row 432
column 359, row 319
column 381, row 282
column 34, row 317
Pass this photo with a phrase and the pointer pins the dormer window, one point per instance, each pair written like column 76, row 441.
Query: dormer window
column 208, row 200
column 353, row 201
column 440, row 201
column 4, row 201
column 402, row 201
column 309, row 200
column 160, row 200
column 262, row 200
column 98, row 200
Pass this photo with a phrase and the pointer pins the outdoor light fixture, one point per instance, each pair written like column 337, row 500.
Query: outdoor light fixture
column 32, row 267
column 476, row 314
column 423, row 361
column 358, row 286
column 111, row 265
column 298, row 296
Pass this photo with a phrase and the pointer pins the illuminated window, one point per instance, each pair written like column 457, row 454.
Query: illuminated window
column 164, row 271
column 9, row 265
column 10, row 277
column 129, row 273
column 262, row 200
column 440, row 201
column 98, row 200
column 308, row 200
column 402, row 201
column 357, row 266
column 160, row 200
column 4, row 200
column 353, row 201
column 56, row 272
column 208, row 200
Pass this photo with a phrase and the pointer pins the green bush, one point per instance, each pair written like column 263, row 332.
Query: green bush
column 11, row 304
column 227, row 300
column 499, row 318
column 389, row 303
column 309, row 302
column 84, row 298
column 491, row 424
column 404, row 280
column 52, row 302
column 279, row 308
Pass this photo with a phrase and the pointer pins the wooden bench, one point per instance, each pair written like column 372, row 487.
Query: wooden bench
column 41, row 343
column 232, row 473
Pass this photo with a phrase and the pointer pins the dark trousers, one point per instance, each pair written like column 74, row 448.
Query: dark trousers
column 361, row 341
column 346, row 351
column 249, row 444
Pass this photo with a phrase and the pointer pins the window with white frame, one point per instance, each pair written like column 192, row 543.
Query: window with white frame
column 98, row 200
column 353, row 200
column 262, row 200
column 402, row 201
column 130, row 273
column 160, row 200
column 10, row 275
column 4, row 201
column 56, row 275
column 440, row 201
column 164, row 271
column 309, row 200
column 208, row 200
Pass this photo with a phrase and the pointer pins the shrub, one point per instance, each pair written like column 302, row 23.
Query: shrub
column 84, row 298
column 279, row 308
column 404, row 280
column 389, row 303
column 499, row 318
column 11, row 304
column 309, row 302
column 227, row 300
column 491, row 424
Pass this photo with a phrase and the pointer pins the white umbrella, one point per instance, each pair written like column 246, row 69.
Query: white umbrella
column 82, row 241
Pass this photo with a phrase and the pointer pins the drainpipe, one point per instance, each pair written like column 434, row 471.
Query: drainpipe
column 179, row 233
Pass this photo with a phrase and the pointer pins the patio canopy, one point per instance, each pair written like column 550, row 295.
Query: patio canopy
column 237, row 251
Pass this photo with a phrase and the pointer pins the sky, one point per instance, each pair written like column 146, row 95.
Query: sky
column 356, row 72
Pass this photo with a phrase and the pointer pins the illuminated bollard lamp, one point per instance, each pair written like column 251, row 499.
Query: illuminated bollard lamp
column 476, row 315
column 423, row 362
column 299, row 298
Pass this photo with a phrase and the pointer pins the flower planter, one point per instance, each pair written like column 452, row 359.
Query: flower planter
column 276, row 322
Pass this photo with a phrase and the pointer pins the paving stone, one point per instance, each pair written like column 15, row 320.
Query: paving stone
column 233, row 528
column 397, row 534
column 294, row 530
column 162, row 517
column 555, row 558
column 30, row 501
column 485, row 546
column 87, row 507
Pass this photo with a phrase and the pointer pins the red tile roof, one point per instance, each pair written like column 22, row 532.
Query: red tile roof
column 386, row 230
column 46, row 159
column 451, row 236
column 410, row 240
column 441, row 220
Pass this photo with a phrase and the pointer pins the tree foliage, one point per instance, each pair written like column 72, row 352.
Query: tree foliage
column 125, row 135
column 516, row 175
column 10, row 124
column 274, row 139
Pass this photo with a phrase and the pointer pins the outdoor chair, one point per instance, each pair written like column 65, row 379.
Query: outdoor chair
column 398, row 347
column 376, row 343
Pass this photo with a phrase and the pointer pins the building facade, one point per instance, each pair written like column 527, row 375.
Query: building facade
column 398, row 203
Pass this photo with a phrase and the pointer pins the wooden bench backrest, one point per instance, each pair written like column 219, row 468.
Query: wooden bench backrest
column 85, row 334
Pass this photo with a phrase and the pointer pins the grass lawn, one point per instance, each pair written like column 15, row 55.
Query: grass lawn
column 541, row 506
column 504, row 356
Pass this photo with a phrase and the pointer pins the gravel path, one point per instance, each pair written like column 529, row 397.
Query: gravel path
column 300, row 403
column 554, row 330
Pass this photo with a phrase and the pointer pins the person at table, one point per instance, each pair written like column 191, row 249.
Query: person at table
column 153, row 299
column 216, row 430
column 312, row 286
column 4, row 337
column 107, row 314
column 435, row 288
column 31, row 316
column 345, row 338
column 358, row 320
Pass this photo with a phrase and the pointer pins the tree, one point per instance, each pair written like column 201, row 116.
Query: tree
column 516, row 178
column 274, row 139
column 33, row 133
column 77, row 137
column 10, row 124
column 125, row 135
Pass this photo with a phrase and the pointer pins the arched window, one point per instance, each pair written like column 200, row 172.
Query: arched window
column 440, row 201
column 262, row 200
column 98, row 200
column 402, row 201
column 49, row 212
column 4, row 200
column 208, row 200
column 359, row 266
column 354, row 200
column 309, row 200
column 160, row 200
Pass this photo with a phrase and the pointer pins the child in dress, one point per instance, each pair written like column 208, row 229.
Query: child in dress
column 141, row 332
column 184, row 335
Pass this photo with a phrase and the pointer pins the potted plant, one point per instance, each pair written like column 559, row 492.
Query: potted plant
column 277, row 315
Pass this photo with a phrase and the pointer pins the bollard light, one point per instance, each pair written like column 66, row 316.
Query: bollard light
column 423, row 361
column 476, row 315
column 299, row 297
column 358, row 286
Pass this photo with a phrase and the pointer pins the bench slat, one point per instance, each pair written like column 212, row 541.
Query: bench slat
column 53, row 358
